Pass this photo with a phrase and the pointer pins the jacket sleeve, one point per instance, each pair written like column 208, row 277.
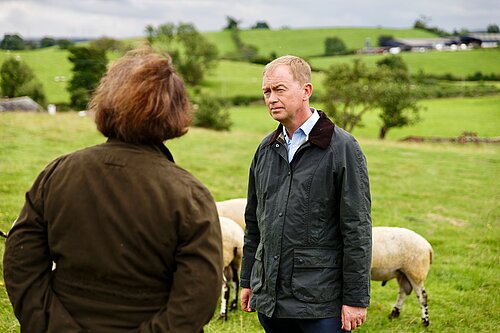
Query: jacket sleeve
column 28, row 265
column 197, row 280
column 252, row 233
column 355, row 223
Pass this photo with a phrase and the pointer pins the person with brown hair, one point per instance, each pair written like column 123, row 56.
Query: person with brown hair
column 116, row 237
column 307, row 249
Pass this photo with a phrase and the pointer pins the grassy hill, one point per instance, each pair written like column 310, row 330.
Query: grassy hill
column 308, row 42
column 237, row 78
column 459, row 63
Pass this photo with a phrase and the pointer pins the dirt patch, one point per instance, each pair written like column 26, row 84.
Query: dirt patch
column 452, row 221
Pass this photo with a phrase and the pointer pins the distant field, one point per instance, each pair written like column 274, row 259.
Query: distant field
column 459, row 63
column 47, row 64
column 308, row 42
column 230, row 79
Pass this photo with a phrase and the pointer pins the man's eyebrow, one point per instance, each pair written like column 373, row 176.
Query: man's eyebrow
column 274, row 86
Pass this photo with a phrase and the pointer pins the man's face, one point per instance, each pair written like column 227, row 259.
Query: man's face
column 283, row 95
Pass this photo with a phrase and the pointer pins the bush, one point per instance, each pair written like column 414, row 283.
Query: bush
column 334, row 45
column 210, row 112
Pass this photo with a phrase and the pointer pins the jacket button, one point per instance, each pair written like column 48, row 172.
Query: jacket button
column 276, row 257
column 280, row 214
column 277, row 145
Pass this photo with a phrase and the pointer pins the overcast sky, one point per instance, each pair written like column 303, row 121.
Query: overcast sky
column 128, row 18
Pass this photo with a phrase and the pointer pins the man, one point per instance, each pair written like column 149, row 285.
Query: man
column 307, row 247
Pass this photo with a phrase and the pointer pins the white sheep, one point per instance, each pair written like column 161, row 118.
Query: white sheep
column 233, row 209
column 405, row 255
column 232, row 242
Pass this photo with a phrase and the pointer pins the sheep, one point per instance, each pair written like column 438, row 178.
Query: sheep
column 232, row 242
column 233, row 209
column 405, row 255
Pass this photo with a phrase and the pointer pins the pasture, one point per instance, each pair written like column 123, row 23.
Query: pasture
column 308, row 42
column 447, row 193
column 51, row 64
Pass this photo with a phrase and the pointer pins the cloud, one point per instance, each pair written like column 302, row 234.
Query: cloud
column 128, row 18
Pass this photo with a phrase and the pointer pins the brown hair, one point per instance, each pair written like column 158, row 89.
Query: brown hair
column 300, row 69
column 141, row 99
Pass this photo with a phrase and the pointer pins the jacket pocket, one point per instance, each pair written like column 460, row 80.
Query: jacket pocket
column 257, row 274
column 317, row 275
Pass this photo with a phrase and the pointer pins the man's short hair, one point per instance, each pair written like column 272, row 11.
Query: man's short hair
column 141, row 99
column 300, row 69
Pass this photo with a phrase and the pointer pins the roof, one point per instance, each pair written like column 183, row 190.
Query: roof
column 19, row 104
column 484, row 37
column 424, row 42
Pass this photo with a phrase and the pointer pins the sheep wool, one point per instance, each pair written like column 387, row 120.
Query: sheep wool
column 232, row 242
column 405, row 255
column 233, row 209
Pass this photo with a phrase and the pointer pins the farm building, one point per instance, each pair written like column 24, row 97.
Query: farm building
column 19, row 104
column 424, row 44
column 479, row 39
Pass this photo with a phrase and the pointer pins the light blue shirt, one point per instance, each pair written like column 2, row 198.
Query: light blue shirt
column 301, row 135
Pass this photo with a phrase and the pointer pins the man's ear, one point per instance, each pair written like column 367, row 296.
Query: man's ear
column 307, row 89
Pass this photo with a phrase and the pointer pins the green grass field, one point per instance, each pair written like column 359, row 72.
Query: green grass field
column 447, row 193
column 458, row 63
column 230, row 79
column 308, row 42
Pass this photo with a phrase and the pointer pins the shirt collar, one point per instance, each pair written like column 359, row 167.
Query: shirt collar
column 307, row 126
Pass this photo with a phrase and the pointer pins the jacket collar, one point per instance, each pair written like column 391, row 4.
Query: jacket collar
column 320, row 135
column 156, row 147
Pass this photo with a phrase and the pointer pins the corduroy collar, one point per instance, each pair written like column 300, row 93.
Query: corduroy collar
column 320, row 135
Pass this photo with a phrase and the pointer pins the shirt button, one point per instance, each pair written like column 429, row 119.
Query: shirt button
column 280, row 214
column 276, row 257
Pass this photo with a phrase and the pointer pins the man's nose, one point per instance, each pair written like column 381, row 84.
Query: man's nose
column 272, row 97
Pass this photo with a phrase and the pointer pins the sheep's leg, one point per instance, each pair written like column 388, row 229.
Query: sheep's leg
column 235, row 285
column 224, row 298
column 422, row 299
column 404, row 289
column 399, row 304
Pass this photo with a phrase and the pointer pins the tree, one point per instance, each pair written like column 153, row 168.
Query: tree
column 261, row 25
column 350, row 92
column 107, row 44
column 64, row 44
column 334, row 45
column 17, row 79
column 47, row 42
column 89, row 65
column 493, row 28
column 193, row 55
column 150, row 33
column 396, row 100
column 393, row 62
column 12, row 42
column 211, row 113
column 232, row 23
column 166, row 32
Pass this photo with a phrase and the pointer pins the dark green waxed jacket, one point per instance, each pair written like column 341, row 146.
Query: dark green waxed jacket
column 307, row 244
column 135, row 238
